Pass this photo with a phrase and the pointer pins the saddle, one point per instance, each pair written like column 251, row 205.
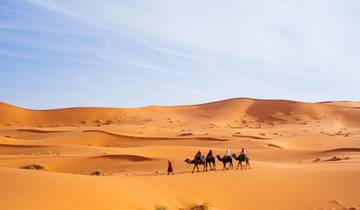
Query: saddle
column 210, row 157
column 242, row 157
column 227, row 158
column 200, row 158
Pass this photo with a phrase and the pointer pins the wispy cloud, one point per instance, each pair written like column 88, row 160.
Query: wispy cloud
column 206, row 49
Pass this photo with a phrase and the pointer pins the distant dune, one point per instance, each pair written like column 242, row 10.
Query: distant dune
column 232, row 109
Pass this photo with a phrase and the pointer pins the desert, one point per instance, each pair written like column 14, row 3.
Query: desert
column 302, row 156
column 179, row 105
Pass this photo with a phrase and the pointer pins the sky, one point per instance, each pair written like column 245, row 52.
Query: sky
column 118, row 53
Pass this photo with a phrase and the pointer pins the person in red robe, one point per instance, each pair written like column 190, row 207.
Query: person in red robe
column 170, row 168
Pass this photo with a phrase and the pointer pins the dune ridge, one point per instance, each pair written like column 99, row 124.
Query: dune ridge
column 243, row 108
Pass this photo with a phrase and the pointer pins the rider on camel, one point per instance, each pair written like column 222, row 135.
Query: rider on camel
column 227, row 153
column 198, row 156
column 243, row 152
column 210, row 153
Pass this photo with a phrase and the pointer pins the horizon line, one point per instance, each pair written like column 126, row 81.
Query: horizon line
column 181, row 105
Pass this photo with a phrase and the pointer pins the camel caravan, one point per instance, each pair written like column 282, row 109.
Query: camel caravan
column 227, row 159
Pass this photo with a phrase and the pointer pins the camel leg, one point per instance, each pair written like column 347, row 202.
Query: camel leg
column 237, row 167
column 229, row 166
column 193, row 168
column 198, row 168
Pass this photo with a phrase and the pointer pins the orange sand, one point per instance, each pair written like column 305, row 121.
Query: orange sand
column 291, row 146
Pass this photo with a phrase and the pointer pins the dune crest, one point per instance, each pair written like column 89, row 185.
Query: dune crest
column 242, row 108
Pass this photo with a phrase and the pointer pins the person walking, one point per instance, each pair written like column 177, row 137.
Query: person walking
column 170, row 168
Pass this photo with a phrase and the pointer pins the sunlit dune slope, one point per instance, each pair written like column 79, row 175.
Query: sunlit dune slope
column 221, row 111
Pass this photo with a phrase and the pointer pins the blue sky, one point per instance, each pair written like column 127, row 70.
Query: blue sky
column 159, row 52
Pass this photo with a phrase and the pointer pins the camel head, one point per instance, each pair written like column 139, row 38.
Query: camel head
column 234, row 156
column 218, row 157
column 188, row 161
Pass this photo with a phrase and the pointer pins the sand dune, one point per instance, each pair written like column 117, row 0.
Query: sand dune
column 344, row 150
column 276, row 189
column 251, row 109
column 302, row 156
column 132, row 158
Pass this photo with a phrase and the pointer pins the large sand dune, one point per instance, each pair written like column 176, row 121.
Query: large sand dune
column 302, row 155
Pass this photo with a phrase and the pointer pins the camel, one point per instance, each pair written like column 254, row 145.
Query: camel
column 210, row 159
column 225, row 160
column 197, row 163
column 242, row 158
